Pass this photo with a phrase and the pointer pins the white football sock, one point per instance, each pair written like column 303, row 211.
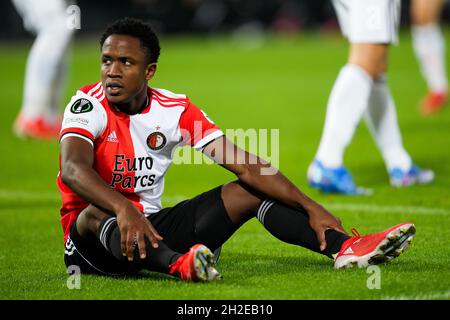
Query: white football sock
column 428, row 43
column 381, row 118
column 346, row 104
column 44, row 70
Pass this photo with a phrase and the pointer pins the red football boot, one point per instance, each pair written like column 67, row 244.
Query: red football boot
column 37, row 128
column 433, row 102
column 362, row 251
column 195, row 265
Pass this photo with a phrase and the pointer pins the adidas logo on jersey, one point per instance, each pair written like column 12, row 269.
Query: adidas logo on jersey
column 112, row 137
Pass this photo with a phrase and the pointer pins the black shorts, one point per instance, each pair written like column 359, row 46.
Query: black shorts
column 202, row 219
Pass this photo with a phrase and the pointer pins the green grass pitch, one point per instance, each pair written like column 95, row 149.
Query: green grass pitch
column 280, row 83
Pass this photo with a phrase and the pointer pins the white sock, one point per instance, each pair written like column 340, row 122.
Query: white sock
column 346, row 104
column 381, row 118
column 44, row 71
column 428, row 43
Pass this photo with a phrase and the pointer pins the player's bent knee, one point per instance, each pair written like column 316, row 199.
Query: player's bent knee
column 425, row 12
column 372, row 58
column 89, row 220
column 240, row 202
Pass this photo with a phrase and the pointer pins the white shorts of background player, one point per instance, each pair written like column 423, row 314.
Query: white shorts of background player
column 369, row 21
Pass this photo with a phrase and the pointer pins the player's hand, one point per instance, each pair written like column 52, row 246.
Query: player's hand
column 134, row 229
column 321, row 220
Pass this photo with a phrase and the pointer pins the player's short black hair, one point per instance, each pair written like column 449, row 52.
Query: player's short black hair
column 138, row 29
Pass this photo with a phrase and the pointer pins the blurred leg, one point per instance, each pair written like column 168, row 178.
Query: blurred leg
column 429, row 47
column 46, row 67
column 349, row 99
column 424, row 12
column 381, row 118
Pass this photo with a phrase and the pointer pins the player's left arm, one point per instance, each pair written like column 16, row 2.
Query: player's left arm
column 262, row 177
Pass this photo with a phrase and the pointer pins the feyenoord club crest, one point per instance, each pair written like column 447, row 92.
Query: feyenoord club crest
column 156, row 140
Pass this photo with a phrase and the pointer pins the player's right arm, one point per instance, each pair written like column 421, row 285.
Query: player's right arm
column 77, row 172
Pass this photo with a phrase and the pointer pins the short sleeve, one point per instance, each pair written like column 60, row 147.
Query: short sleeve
column 197, row 129
column 84, row 117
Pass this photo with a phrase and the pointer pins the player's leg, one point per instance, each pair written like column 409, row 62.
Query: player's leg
column 369, row 33
column 59, row 85
column 227, row 208
column 86, row 252
column 381, row 118
column 348, row 101
column 99, row 231
column 346, row 105
column 429, row 47
column 291, row 225
column 212, row 218
column 47, row 19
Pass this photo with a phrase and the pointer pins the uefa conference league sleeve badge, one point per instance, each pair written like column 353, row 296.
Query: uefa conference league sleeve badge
column 81, row 106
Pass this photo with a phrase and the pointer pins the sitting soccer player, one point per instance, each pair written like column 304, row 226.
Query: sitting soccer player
column 117, row 143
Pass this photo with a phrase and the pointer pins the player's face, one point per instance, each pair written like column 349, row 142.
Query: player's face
column 125, row 71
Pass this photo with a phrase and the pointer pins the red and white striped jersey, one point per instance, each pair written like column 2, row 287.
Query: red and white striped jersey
column 132, row 152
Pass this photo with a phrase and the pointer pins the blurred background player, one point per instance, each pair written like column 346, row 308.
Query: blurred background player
column 361, row 89
column 429, row 47
column 46, row 68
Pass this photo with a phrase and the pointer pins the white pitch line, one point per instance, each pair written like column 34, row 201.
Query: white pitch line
column 173, row 199
column 428, row 296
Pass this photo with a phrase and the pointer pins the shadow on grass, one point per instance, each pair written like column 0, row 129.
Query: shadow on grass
column 275, row 264
column 254, row 263
column 137, row 276
column 247, row 265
